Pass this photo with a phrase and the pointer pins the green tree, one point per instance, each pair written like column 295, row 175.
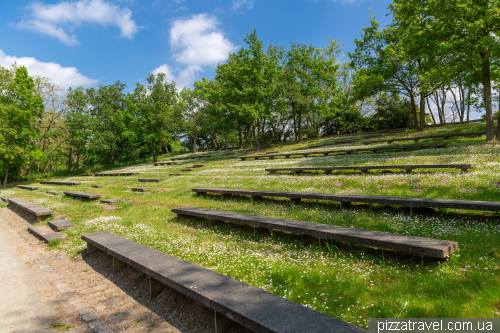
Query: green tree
column 21, row 110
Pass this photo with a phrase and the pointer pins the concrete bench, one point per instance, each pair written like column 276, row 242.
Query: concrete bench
column 174, row 174
column 364, row 169
column 346, row 151
column 46, row 234
column 186, row 170
column 53, row 192
column 96, row 186
column 417, row 138
column 59, row 183
column 197, row 166
column 251, row 307
column 191, row 157
column 58, row 225
column 82, row 195
column 150, row 180
column 116, row 174
column 416, row 245
column 296, row 197
column 27, row 187
column 87, row 175
column 110, row 201
column 140, row 189
column 165, row 163
column 35, row 212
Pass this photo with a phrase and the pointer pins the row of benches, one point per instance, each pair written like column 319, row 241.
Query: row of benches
column 418, row 138
column 347, row 151
column 366, row 168
column 296, row 197
column 340, row 142
column 230, row 299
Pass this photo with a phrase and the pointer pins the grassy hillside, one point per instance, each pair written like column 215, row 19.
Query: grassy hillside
column 346, row 281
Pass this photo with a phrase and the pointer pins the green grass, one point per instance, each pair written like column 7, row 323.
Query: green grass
column 347, row 281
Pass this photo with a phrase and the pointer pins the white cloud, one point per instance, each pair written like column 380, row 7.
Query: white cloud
column 47, row 19
column 237, row 4
column 184, row 78
column 199, row 41
column 63, row 76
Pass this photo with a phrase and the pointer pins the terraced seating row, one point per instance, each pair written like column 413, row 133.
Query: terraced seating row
column 116, row 174
column 53, row 182
column 82, row 195
column 347, row 151
column 191, row 157
column 340, row 142
column 366, row 168
column 150, row 180
column 417, row 138
column 251, row 307
column 35, row 212
column 416, row 245
column 27, row 187
column 164, row 163
column 296, row 197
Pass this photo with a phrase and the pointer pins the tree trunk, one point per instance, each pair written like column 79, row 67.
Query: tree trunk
column 414, row 111
column 194, row 143
column 490, row 130
column 430, row 111
column 239, row 136
column 422, row 112
column 5, row 178
column 69, row 161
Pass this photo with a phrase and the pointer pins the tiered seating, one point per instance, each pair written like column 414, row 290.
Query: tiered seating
column 35, row 212
column 418, row 138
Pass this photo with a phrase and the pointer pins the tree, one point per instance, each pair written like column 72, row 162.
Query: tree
column 464, row 33
column 21, row 109
column 158, row 109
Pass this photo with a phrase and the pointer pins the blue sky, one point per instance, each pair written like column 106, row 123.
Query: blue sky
column 92, row 42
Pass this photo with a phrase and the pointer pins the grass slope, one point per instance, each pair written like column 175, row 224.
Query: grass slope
column 346, row 281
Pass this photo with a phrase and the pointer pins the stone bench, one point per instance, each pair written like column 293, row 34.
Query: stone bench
column 164, row 163
column 51, row 182
column 417, row 138
column 35, row 212
column 186, row 170
column 428, row 247
column 110, row 201
column 251, row 307
column 192, row 157
column 46, row 234
column 58, row 225
column 346, row 151
column 364, row 169
column 87, row 175
column 197, row 166
column 140, row 189
column 341, row 142
column 150, row 180
column 296, row 197
column 174, row 174
column 53, row 192
column 82, row 195
column 27, row 187
column 116, row 174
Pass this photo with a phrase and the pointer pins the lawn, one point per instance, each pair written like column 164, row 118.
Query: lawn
column 346, row 281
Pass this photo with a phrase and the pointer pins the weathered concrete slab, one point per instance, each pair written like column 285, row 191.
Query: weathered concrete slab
column 165, row 163
column 36, row 212
column 440, row 136
column 197, row 166
column 214, row 290
column 492, row 206
column 186, row 170
column 261, row 311
column 87, row 175
column 88, row 196
column 346, row 151
column 27, row 187
column 151, row 180
column 408, row 168
column 174, row 174
column 53, row 192
column 140, row 189
column 46, row 234
column 416, row 245
column 110, row 201
column 58, row 225
column 59, row 182
column 116, row 174
column 341, row 142
column 96, row 186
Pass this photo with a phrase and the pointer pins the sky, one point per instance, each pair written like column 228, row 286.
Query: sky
column 98, row 42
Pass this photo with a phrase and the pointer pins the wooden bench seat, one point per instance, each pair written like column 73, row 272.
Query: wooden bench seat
column 407, row 168
column 27, row 187
column 165, row 163
column 417, row 138
column 296, row 197
column 53, row 182
column 88, row 196
column 150, row 180
column 35, row 212
column 346, row 151
column 251, row 307
column 116, row 174
column 416, row 245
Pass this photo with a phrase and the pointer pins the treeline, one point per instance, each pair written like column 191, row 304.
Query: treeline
column 434, row 64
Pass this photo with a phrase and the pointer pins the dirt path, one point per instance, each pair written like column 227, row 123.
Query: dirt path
column 43, row 286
